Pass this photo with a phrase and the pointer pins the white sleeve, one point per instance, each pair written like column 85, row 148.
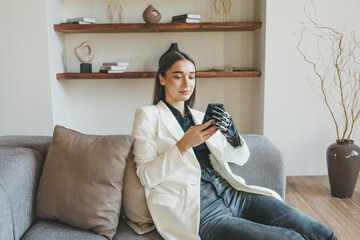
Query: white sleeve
column 153, row 168
column 238, row 155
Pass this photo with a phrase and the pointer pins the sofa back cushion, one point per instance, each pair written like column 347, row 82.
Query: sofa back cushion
column 82, row 180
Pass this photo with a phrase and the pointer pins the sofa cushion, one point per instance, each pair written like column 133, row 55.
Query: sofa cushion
column 82, row 180
column 136, row 211
column 54, row 230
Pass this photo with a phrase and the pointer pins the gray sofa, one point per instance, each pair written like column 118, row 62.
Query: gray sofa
column 21, row 161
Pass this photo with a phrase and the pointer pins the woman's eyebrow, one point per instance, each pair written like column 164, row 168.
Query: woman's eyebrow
column 181, row 72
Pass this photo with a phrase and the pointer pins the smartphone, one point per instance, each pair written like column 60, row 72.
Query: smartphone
column 208, row 114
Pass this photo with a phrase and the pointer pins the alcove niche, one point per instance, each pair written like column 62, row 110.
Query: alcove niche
column 107, row 106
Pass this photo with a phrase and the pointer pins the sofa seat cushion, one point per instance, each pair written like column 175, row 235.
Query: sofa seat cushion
column 49, row 229
column 54, row 230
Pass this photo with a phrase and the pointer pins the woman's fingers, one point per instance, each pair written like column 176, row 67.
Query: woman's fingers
column 209, row 132
column 208, row 123
column 208, row 127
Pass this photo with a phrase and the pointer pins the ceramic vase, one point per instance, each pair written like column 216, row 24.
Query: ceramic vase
column 173, row 47
column 343, row 161
column 151, row 15
column 115, row 11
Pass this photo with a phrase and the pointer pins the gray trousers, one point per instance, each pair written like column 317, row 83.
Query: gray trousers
column 226, row 213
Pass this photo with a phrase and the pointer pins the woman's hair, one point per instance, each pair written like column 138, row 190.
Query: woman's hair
column 165, row 63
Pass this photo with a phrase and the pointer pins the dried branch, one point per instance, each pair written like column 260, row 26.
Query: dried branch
column 338, row 74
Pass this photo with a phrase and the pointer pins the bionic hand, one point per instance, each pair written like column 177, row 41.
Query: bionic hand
column 226, row 126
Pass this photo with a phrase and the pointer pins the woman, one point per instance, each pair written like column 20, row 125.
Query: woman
column 189, row 187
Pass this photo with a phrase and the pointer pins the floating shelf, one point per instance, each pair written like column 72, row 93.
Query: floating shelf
column 158, row 27
column 130, row 75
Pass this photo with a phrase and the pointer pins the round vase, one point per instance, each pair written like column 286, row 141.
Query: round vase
column 173, row 47
column 151, row 15
column 343, row 161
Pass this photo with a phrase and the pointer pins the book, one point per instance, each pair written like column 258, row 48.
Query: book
column 115, row 64
column 109, row 67
column 78, row 22
column 229, row 69
column 111, row 71
column 187, row 15
column 186, row 20
column 81, row 19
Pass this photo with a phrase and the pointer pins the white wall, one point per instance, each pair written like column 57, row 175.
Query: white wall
column 32, row 101
column 296, row 119
column 25, row 100
column 57, row 59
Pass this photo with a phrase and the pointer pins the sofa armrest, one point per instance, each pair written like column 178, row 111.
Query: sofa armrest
column 6, row 227
column 19, row 176
column 38, row 143
column 265, row 167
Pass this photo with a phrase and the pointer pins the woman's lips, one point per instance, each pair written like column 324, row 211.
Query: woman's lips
column 185, row 92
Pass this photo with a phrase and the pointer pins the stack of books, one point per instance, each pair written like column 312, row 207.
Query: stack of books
column 186, row 18
column 80, row 20
column 113, row 67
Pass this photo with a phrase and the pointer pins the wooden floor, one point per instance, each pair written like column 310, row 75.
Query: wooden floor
column 311, row 194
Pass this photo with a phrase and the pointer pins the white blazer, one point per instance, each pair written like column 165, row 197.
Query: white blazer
column 172, row 181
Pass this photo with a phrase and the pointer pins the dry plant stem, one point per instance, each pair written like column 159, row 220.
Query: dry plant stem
column 342, row 68
column 352, row 109
column 338, row 70
column 322, row 86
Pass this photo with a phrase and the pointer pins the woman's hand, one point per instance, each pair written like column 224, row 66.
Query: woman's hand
column 195, row 136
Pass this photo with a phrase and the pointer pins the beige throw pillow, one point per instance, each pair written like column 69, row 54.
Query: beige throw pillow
column 82, row 180
column 136, row 211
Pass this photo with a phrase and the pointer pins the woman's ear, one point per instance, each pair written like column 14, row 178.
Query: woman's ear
column 161, row 79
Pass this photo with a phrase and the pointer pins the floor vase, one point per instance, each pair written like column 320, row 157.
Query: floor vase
column 343, row 162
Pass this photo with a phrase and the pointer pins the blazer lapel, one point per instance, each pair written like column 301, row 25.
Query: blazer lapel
column 168, row 119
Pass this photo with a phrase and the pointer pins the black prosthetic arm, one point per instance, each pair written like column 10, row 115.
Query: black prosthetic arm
column 226, row 126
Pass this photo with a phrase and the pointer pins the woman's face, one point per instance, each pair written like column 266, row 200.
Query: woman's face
column 179, row 81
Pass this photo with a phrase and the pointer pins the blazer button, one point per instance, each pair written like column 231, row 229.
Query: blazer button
column 192, row 184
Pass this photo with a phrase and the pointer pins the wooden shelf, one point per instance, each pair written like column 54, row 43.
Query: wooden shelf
column 131, row 75
column 158, row 27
